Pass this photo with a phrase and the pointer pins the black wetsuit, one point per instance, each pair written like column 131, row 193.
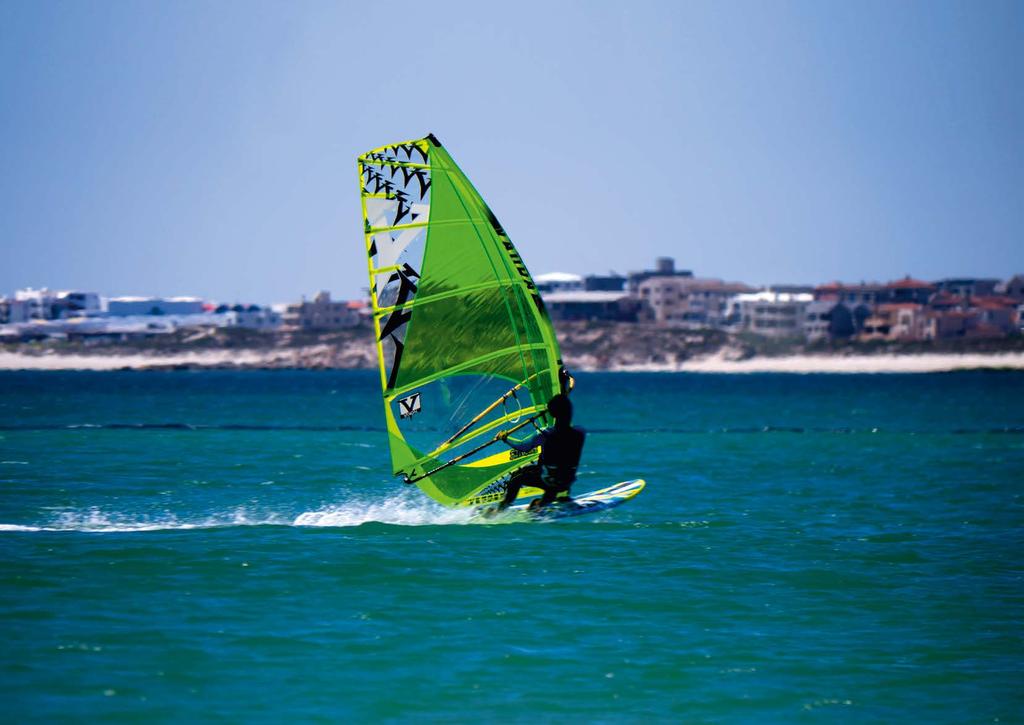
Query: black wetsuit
column 555, row 471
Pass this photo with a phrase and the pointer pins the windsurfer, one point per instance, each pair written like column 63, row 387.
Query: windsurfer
column 561, row 446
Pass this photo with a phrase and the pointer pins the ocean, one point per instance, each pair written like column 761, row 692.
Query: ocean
column 230, row 546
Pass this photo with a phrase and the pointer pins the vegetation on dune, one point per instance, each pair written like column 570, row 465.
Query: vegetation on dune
column 585, row 345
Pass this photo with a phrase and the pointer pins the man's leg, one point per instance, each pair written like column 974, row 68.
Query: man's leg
column 529, row 476
column 549, row 496
column 552, row 492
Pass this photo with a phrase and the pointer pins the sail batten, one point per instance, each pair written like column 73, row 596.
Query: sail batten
column 455, row 370
column 420, row 300
column 458, row 320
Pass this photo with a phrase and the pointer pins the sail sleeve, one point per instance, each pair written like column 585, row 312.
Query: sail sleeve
column 466, row 348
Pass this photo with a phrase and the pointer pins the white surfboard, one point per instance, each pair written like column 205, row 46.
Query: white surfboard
column 587, row 503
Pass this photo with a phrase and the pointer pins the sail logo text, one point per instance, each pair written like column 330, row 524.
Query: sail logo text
column 517, row 261
column 408, row 407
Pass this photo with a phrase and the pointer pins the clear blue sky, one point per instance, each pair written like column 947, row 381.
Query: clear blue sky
column 208, row 148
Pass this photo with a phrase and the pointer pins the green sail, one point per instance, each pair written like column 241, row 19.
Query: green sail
column 465, row 345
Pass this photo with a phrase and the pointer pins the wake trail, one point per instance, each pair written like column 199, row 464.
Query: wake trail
column 401, row 510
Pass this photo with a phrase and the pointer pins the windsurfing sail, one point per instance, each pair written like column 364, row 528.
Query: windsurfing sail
column 465, row 345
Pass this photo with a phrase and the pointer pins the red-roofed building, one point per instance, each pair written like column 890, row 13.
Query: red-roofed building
column 943, row 301
column 996, row 312
column 906, row 320
column 910, row 290
column 360, row 307
column 945, row 324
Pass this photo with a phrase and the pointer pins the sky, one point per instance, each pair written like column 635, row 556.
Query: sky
column 208, row 148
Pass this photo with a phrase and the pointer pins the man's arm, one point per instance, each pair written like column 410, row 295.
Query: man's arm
column 525, row 446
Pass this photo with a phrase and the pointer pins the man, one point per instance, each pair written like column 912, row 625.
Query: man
column 560, row 448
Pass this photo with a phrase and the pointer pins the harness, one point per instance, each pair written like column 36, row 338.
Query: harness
column 560, row 455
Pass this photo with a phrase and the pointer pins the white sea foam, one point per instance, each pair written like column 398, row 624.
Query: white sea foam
column 96, row 521
column 402, row 510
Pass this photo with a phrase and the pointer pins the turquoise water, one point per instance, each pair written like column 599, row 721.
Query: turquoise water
column 225, row 545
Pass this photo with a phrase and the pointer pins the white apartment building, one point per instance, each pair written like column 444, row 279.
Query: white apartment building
column 45, row 304
column 39, row 302
column 772, row 314
column 558, row 282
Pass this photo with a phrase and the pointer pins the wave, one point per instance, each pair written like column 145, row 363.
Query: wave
column 401, row 510
column 189, row 427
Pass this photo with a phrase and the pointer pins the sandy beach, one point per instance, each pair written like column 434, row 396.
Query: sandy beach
column 302, row 358
column 926, row 363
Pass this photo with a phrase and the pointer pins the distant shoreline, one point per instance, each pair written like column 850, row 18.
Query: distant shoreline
column 300, row 358
column 846, row 364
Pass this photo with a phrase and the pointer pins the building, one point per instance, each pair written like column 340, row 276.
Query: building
column 663, row 267
column 967, row 286
column 558, row 282
column 875, row 327
column 101, row 327
column 604, row 283
column 322, row 314
column 13, row 311
column 130, row 306
column 972, row 316
column 688, row 301
column 1013, row 287
column 944, row 301
column 76, row 304
column 40, row 302
column 865, row 294
column 996, row 316
column 567, row 282
column 772, row 314
column 252, row 317
column 828, row 320
column 897, row 321
column 592, row 305
column 910, row 290
column 946, row 324
column 906, row 320
column 793, row 289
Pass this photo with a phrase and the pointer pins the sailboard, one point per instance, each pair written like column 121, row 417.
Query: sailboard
column 589, row 503
column 465, row 345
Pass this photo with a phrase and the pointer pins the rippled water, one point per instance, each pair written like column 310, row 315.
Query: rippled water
column 230, row 545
